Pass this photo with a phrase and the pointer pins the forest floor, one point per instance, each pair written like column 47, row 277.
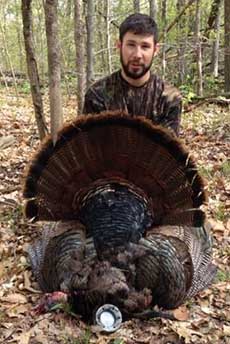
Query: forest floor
column 204, row 319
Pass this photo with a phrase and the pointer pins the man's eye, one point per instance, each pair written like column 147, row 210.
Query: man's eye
column 145, row 47
column 131, row 44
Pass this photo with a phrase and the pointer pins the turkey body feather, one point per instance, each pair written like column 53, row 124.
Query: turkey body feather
column 125, row 197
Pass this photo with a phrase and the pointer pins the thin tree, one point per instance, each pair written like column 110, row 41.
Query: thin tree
column 181, row 43
column 198, row 51
column 19, row 34
column 80, row 53
column 101, row 54
column 53, row 47
column 90, row 41
column 8, row 58
column 108, row 36
column 40, row 39
column 216, row 4
column 175, row 21
column 68, row 29
column 136, row 6
column 153, row 9
column 164, row 21
column 32, row 68
column 227, row 46
column 4, row 78
column 216, row 42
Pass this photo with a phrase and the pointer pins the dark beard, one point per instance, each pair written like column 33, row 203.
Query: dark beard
column 138, row 74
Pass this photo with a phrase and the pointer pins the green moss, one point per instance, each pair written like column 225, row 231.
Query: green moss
column 225, row 168
column 223, row 276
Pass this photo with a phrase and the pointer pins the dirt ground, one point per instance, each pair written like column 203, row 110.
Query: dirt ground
column 204, row 319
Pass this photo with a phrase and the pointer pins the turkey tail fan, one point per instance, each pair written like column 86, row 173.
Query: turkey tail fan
column 97, row 150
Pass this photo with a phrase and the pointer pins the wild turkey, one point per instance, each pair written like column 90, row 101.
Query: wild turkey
column 124, row 197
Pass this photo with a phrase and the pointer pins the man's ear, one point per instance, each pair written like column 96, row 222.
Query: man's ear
column 118, row 44
column 156, row 49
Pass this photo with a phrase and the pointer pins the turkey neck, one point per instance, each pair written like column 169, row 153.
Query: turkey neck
column 115, row 215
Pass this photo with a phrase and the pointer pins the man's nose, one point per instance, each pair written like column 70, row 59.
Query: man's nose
column 138, row 52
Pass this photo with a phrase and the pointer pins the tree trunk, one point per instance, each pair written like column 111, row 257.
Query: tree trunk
column 163, row 17
column 101, row 54
column 4, row 78
column 90, row 41
column 215, row 9
column 67, row 31
column 153, row 9
column 198, row 52
column 227, row 45
column 32, row 68
column 136, row 6
column 175, row 21
column 182, row 44
column 8, row 57
column 53, row 48
column 108, row 36
column 19, row 36
column 216, row 43
column 40, row 39
column 79, row 45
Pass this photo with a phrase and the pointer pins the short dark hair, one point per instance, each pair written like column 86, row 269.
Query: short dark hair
column 139, row 24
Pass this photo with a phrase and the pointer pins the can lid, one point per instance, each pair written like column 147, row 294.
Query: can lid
column 108, row 317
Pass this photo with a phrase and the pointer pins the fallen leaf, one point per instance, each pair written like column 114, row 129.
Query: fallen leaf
column 6, row 141
column 41, row 339
column 226, row 330
column 7, row 325
column 16, row 311
column 181, row 313
column 217, row 226
column 206, row 310
column 14, row 298
column 27, row 282
column 184, row 332
column 228, row 225
column 24, row 338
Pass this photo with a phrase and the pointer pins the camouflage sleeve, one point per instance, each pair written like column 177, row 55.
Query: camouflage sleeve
column 94, row 102
column 171, row 107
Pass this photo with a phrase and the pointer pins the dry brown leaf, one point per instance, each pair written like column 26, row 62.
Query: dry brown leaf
column 181, row 328
column 7, row 325
column 206, row 310
column 217, row 226
column 228, row 225
column 201, row 322
column 142, row 339
column 16, row 311
column 2, row 269
column 24, row 338
column 41, row 339
column 14, row 298
column 27, row 282
column 6, row 141
column 226, row 330
column 181, row 313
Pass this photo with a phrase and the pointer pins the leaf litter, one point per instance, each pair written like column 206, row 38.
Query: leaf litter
column 204, row 319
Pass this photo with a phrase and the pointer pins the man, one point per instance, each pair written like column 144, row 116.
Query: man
column 134, row 88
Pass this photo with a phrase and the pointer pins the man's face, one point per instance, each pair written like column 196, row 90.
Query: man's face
column 136, row 54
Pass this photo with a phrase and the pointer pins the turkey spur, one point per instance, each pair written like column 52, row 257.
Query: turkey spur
column 122, row 200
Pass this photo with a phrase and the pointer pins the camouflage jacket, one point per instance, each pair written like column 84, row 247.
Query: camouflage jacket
column 155, row 100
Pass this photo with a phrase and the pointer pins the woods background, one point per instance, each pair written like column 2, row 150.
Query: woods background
column 69, row 44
